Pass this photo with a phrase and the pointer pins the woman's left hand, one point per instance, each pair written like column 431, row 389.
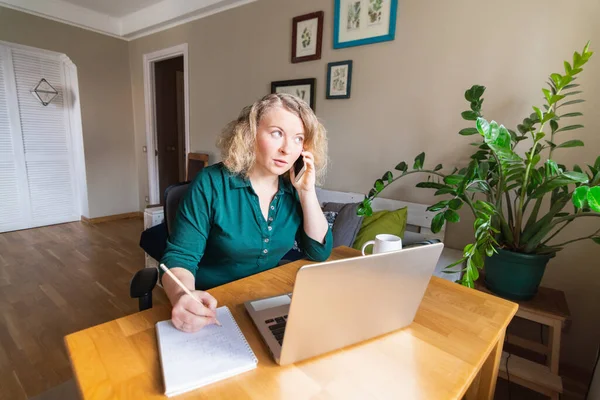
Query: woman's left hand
column 307, row 181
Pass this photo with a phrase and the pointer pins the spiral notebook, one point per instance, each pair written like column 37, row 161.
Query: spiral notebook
column 193, row 360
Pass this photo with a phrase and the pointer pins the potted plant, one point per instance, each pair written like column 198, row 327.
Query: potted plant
column 506, row 188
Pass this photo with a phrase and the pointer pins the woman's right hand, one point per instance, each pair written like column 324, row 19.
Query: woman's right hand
column 189, row 315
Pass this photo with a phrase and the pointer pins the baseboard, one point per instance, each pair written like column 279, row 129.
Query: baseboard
column 98, row 220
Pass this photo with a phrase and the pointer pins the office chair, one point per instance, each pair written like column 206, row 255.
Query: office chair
column 153, row 239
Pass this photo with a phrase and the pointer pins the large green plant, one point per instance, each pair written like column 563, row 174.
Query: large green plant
column 505, row 188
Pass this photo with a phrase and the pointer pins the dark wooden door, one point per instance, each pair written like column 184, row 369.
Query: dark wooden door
column 170, row 127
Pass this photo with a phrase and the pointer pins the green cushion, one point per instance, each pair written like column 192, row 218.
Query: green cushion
column 391, row 222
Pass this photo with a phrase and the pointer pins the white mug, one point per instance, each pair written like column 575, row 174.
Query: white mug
column 384, row 243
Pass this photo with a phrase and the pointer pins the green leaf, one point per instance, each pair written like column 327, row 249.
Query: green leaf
column 580, row 196
column 573, row 114
column 401, row 167
column 484, row 206
column 596, row 239
column 564, row 179
column 379, row 185
column 388, row 176
column 438, row 167
column 576, row 176
column 553, row 125
column 539, row 112
column 569, row 128
column 597, row 163
column 552, row 168
column 451, row 215
column 522, row 128
column 437, row 223
column 576, row 60
column 455, row 204
column 438, row 206
column 453, row 179
column 572, row 93
column 503, row 138
column 568, row 103
column 469, row 115
column 547, row 95
column 469, row 95
column 551, row 144
column 483, row 126
column 447, row 190
column 593, row 198
column 548, row 116
column 568, row 68
column 539, row 136
column 419, row 161
column 430, row 185
column 477, row 91
column 571, row 86
column 468, row 131
column 571, row 143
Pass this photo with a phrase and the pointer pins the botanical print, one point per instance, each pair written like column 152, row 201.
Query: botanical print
column 306, row 38
column 339, row 80
column 353, row 15
column 375, row 7
column 302, row 91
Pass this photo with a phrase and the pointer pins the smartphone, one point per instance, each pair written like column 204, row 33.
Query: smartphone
column 299, row 167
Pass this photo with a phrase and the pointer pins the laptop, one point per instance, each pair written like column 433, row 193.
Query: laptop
column 338, row 303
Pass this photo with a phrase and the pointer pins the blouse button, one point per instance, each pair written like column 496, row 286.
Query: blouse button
column 265, row 251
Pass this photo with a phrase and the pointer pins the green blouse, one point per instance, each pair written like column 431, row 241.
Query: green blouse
column 221, row 235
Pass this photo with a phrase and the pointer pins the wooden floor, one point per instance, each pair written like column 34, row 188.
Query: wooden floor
column 56, row 280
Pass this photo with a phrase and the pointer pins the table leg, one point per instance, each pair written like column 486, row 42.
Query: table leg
column 484, row 385
column 554, row 334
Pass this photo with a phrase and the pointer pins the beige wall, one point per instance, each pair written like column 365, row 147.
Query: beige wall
column 407, row 96
column 106, row 108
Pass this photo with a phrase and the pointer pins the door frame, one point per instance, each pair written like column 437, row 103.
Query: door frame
column 150, row 104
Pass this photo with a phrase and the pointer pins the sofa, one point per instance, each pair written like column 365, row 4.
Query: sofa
column 340, row 210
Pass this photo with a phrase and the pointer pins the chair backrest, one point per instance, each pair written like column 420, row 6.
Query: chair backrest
column 173, row 195
column 196, row 162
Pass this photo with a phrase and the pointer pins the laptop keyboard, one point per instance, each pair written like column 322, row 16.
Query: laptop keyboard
column 277, row 327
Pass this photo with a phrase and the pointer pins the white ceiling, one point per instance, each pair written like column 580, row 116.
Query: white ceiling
column 114, row 8
column 125, row 19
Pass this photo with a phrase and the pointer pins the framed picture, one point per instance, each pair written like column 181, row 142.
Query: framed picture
column 307, row 37
column 360, row 22
column 303, row 88
column 339, row 80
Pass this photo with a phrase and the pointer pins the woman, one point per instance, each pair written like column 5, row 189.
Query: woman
column 241, row 216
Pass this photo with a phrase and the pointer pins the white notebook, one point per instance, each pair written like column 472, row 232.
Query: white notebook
column 192, row 360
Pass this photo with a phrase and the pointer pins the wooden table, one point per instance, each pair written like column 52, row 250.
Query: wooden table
column 452, row 348
column 549, row 307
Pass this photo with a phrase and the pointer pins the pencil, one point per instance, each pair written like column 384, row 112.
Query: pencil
column 181, row 285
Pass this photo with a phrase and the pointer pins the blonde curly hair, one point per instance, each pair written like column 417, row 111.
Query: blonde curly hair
column 238, row 139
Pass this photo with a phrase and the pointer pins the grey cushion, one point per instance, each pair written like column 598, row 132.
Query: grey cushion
column 347, row 224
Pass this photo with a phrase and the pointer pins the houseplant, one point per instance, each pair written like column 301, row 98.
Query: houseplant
column 505, row 185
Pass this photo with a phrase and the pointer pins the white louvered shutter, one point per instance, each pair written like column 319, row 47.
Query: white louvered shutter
column 46, row 141
column 41, row 145
column 14, row 212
